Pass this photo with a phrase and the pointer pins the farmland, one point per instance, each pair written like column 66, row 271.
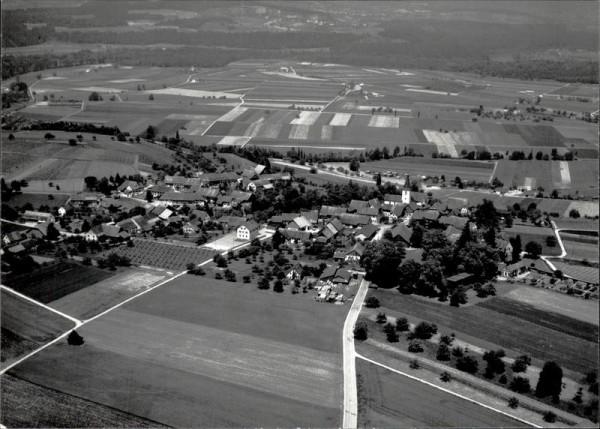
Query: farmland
column 179, row 346
column 163, row 254
column 392, row 400
column 507, row 331
column 26, row 326
column 578, row 272
column 535, row 234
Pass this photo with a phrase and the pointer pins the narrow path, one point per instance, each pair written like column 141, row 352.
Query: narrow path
column 445, row 390
column 563, row 253
column 350, row 412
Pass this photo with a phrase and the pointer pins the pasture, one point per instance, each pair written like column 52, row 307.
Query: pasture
column 163, row 254
column 388, row 399
column 507, row 331
column 535, row 234
column 210, row 353
column 26, row 326
column 543, row 299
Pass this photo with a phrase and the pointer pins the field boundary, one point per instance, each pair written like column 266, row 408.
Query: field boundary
column 412, row 377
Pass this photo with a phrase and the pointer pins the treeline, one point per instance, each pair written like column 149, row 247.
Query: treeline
column 74, row 127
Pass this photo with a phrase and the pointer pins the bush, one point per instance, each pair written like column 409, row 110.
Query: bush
column 402, row 324
column 230, row 276
column 415, row 347
column 457, row 351
column 381, row 318
column 513, row 402
column 549, row 417
column 388, row 327
column 520, row 385
column 218, row 276
column 74, row 339
column 372, row 302
column 446, row 339
column 425, row 331
column 521, row 363
column 278, row 286
column 361, row 332
column 467, row 364
column 392, row 336
column 443, row 352
column 503, row 379
column 445, row 377
column 414, row 364
column 246, row 279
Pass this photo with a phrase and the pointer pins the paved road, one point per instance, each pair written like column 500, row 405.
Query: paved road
column 349, row 419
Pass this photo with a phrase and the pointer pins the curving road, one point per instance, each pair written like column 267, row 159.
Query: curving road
column 350, row 412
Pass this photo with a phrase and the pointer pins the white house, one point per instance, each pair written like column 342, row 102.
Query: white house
column 247, row 231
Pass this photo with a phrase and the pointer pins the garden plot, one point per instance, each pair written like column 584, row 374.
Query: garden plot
column 443, row 142
column 340, row 119
column 578, row 272
column 380, row 121
column 197, row 93
column 299, row 132
column 233, row 141
column 326, row 132
column 233, row 114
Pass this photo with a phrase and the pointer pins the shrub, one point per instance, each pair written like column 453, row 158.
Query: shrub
column 278, row 286
column 443, row 352
column 218, row 276
column 457, row 351
column 467, row 364
column 447, row 340
column 520, row 385
column 381, row 318
column 445, row 377
column 392, row 336
column 549, row 417
column 230, row 276
column 521, row 363
column 74, row 339
column 402, row 324
column 361, row 332
column 388, row 327
column 503, row 379
column 414, row 364
column 246, row 279
column 372, row 302
column 425, row 331
column 513, row 402
column 415, row 346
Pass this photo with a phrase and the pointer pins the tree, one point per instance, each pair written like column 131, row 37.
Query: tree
column 151, row 132
column 74, row 339
column 381, row 260
column 425, row 330
column 458, row 297
column 392, row 336
column 521, row 363
column 51, row 232
column 513, row 403
column 381, row 318
column 151, row 97
column 378, row 180
column 486, row 215
column 415, row 346
column 551, row 241
column 467, row 364
column 149, row 196
column 533, row 249
column 372, row 302
column 277, row 240
column 402, row 324
column 517, row 248
column 229, row 276
column 443, row 352
column 361, row 332
column 94, row 96
column 508, row 220
column 549, row 417
column 550, row 381
column 416, row 238
column 574, row 213
column 409, row 272
column 91, row 182
column 278, row 286
column 354, row 164
column 495, row 365
column 263, row 283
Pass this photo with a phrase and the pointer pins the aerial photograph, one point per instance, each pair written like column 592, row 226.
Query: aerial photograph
column 299, row 214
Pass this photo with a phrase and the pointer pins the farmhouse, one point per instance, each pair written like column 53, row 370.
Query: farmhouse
column 106, row 232
column 393, row 199
column 299, row 224
column 354, row 220
column 128, row 187
column 85, row 199
column 295, row 236
column 247, row 231
column 180, row 198
column 34, row 216
column 515, row 269
column 403, row 232
column 366, row 233
column 333, row 274
column 157, row 191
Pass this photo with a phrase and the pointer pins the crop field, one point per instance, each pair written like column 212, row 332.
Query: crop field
column 56, row 280
column 50, row 408
column 576, row 250
column 576, row 224
column 543, row 299
column 507, row 331
column 392, row 400
column 26, row 326
column 179, row 346
column 36, row 200
column 579, row 175
column 164, row 255
column 579, row 272
column 96, row 298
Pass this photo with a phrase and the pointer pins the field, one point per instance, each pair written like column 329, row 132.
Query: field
column 37, row 200
column 392, row 400
column 26, row 326
column 50, row 408
column 209, row 353
column 542, row 299
column 579, row 175
column 535, row 234
column 507, row 331
column 581, row 251
column 56, row 280
column 92, row 300
column 423, row 111
column 164, row 255
column 579, row 272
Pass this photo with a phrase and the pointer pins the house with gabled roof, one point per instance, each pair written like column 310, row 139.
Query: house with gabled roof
column 299, row 223
column 354, row 220
column 247, row 231
column 310, row 215
column 367, row 232
column 357, row 204
column 458, row 206
column 128, row 187
column 295, row 236
column 403, row 232
column 333, row 274
column 327, row 212
column 330, row 230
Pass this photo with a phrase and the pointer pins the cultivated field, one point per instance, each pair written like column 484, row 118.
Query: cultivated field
column 576, row 308
column 535, row 234
column 579, row 272
column 210, row 354
column 163, row 255
column 49, row 283
column 26, row 326
column 576, row 250
column 391, row 400
column 92, row 300
column 512, row 332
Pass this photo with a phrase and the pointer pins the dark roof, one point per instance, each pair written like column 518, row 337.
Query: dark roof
column 455, row 221
column 402, row 231
column 352, row 219
column 454, row 203
column 393, row 198
column 232, row 221
column 251, row 225
column 368, row 211
column 368, row 231
column 459, row 277
column 331, row 211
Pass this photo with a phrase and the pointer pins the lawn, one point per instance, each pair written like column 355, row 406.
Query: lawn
column 26, row 326
column 57, row 279
column 51, row 408
column 535, row 234
column 203, row 352
column 507, row 331
column 388, row 399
